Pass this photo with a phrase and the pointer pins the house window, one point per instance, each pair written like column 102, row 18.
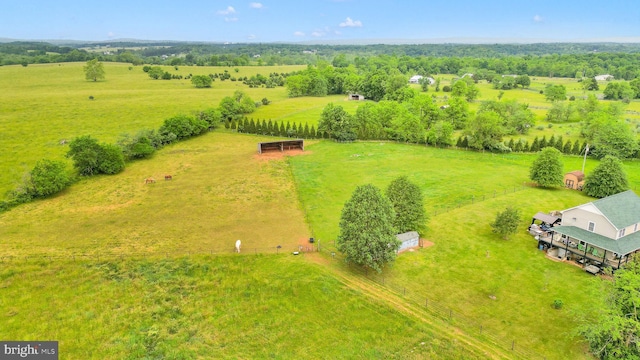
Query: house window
column 621, row 233
column 592, row 226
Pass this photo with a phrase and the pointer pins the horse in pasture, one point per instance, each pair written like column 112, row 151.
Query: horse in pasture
column 168, row 177
column 149, row 181
column 238, row 246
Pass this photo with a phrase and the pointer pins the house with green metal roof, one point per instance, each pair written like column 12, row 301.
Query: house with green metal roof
column 603, row 232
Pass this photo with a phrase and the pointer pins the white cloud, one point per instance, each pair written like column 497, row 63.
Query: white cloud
column 111, row 34
column 232, row 19
column 227, row 11
column 317, row 33
column 256, row 5
column 251, row 37
column 537, row 18
column 351, row 23
column 298, row 33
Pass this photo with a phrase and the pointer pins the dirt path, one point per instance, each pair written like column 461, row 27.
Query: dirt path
column 383, row 295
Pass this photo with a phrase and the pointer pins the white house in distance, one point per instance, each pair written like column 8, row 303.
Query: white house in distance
column 601, row 233
column 605, row 77
column 415, row 79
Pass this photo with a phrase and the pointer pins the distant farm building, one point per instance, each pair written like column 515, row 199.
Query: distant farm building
column 574, row 180
column 605, row 77
column 408, row 240
column 415, row 79
column 357, row 97
column 281, row 145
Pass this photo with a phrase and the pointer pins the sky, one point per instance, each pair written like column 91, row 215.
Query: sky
column 320, row 21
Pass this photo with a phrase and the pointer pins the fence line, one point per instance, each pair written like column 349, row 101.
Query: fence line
column 109, row 256
column 454, row 317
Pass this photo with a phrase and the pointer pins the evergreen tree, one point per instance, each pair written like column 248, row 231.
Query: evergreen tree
column 270, row 128
column 567, row 148
column 525, row 147
column 305, row 133
column 282, row 131
column 367, row 236
column 312, row 132
column 264, row 129
column 546, row 169
column 511, row 145
column 543, row 142
column 576, row 148
column 551, row 142
column 252, row 127
column 608, row 178
column 559, row 143
column 465, row 142
column 518, row 147
column 459, row 142
column 234, row 125
column 535, row 145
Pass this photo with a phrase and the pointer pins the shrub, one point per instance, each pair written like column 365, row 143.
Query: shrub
column 557, row 304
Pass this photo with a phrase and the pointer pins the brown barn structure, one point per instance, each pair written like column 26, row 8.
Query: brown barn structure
column 281, row 145
column 574, row 180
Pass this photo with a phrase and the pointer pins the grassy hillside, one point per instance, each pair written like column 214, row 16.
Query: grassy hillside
column 220, row 192
column 468, row 263
column 50, row 102
column 224, row 307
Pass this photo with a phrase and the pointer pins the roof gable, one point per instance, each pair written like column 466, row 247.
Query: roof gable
column 622, row 209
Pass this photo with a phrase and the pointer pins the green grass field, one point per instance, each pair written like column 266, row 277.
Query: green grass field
column 223, row 307
column 220, row 192
column 456, row 270
column 252, row 305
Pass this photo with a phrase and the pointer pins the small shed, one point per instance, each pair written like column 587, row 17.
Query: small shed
column 281, row 145
column 574, row 180
column 357, row 97
column 408, row 240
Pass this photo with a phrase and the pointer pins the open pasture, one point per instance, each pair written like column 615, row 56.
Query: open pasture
column 45, row 104
column 463, row 191
column 220, row 191
column 202, row 307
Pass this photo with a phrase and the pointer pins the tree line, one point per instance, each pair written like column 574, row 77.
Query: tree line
column 550, row 60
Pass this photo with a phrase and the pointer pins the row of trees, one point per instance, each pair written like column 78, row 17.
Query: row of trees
column 419, row 120
column 370, row 220
column 608, row 178
column 555, row 60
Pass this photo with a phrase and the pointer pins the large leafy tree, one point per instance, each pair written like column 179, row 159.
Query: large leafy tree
column 94, row 70
column 336, row 122
column 613, row 333
column 506, row 222
column 555, row 92
column 367, row 236
column 485, row 131
column 546, row 169
column 85, row 153
column 606, row 179
column 408, row 204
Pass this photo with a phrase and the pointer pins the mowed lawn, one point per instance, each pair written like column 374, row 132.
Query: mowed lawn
column 468, row 263
column 41, row 105
column 220, row 192
column 203, row 307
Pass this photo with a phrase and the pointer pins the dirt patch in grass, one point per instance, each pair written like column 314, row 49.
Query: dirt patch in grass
column 273, row 155
column 426, row 243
